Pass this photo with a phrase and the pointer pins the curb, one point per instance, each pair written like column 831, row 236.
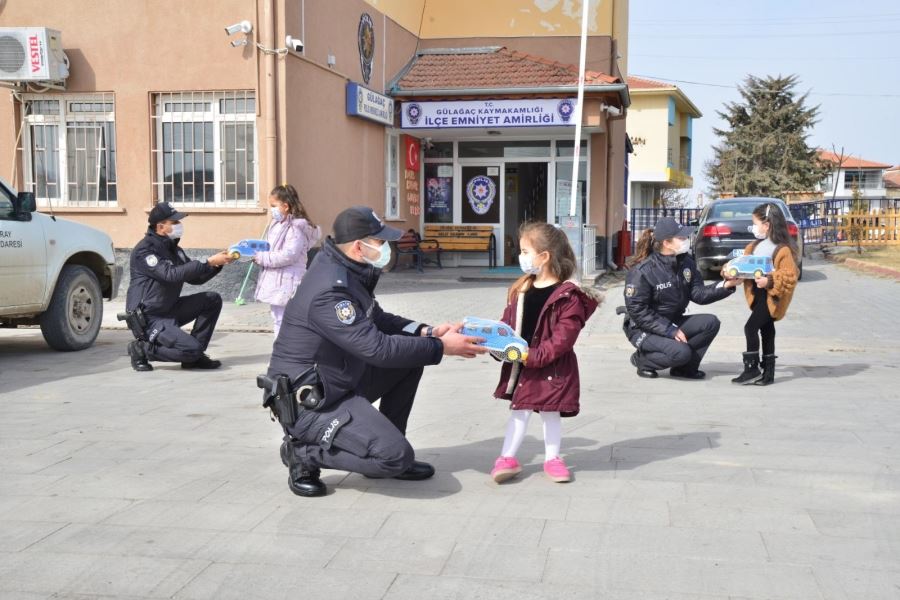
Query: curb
column 867, row 267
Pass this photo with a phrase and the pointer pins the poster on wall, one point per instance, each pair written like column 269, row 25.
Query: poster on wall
column 438, row 199
column 564, row 199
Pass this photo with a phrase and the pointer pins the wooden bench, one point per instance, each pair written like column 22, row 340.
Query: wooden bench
column 459, row 238
column 409, row 245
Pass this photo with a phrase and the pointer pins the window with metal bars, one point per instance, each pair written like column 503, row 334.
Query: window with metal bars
column 69, row 148
column 204, row 148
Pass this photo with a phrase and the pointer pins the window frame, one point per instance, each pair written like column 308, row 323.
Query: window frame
column 62, row 120
column 217, row 117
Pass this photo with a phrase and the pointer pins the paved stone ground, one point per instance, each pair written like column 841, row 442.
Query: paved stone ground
column 168, row 484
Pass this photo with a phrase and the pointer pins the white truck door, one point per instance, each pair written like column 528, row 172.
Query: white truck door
column 23, row 258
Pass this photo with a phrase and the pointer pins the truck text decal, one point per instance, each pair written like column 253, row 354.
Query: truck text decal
column 5, row 242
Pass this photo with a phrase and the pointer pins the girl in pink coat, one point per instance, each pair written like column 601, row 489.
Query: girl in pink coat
column 548, row 311
column 290, row 235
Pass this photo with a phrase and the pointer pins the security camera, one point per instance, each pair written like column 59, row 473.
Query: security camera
column 429, row 145
column 242, row 27
column 612, row 111
column 293, row 44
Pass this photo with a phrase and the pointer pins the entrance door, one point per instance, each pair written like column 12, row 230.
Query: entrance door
column 525, row 200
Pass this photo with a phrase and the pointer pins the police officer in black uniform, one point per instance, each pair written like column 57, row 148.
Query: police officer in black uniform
column 159, row 270
column 657, row 292
column 361, row 354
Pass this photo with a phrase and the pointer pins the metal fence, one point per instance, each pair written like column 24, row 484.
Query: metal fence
column 870, row 222
column 589, row 249
column 642, row 218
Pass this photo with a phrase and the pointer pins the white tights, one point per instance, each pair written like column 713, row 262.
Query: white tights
column 518, row 424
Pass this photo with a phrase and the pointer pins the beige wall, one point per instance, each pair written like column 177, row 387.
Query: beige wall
column 648, row 119
column 144, row 46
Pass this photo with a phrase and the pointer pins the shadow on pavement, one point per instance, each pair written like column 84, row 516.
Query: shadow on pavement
column 725, row 369
column 580, row 453
column 811, row 276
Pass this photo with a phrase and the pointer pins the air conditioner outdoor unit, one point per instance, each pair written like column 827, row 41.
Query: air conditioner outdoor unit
column 31, row 54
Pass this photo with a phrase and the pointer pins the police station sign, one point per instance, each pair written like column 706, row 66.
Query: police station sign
column 363, row 102
column 488, row 113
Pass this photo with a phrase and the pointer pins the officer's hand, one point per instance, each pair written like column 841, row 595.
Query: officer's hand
column 762, row 282
column 219, row 259
column 679, row 335
column 731, row 282
column 443, row 328
column 457, row 344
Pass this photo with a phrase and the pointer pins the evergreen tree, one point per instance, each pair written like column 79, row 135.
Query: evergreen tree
column 763, row 152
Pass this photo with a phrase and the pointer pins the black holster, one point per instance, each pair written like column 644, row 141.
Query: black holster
column 136, row 322
column 286, row 397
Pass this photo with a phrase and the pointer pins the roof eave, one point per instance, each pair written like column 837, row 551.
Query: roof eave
column 620, row 88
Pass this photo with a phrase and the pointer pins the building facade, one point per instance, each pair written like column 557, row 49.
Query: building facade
column 853, row 173
column 162, row 104
column 660, row 126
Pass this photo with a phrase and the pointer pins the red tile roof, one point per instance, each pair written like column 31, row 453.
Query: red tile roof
column 851, row 162
column 639, row 83
column 495, row 67
column 892, row 179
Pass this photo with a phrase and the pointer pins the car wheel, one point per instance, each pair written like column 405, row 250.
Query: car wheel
column 757, row 274
column 235, row 254
column 72, row 321
column 732, row 272
column 512, row 353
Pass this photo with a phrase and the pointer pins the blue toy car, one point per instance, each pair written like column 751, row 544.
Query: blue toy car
column 499, row 339
column 749, row 266
column 245, row 249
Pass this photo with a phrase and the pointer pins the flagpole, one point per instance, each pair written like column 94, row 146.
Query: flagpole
column 576, row 154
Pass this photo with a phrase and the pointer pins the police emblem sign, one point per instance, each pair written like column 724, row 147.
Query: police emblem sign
column 481, row 191
column 366, row 39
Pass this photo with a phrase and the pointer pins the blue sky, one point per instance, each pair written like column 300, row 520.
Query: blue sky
column 847, row 54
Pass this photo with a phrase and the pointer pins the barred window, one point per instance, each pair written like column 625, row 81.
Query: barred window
column 204, row 148
column 69, row 148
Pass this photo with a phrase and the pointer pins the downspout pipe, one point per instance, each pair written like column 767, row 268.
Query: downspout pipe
column 610, row 186
column 270, row 120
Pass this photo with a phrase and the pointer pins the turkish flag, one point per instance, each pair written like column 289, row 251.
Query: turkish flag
column 412, row 147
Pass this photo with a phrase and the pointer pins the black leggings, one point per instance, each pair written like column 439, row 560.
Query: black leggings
column 762, row 322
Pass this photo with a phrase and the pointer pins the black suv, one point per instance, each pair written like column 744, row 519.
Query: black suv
column 724, row 226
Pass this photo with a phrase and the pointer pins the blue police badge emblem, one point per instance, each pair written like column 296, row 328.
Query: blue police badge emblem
column 481, row 192
column 413, row 112
column 346, row 314
column 565, row 109
column 687, row 275
column 366, row 39
column 629, row 291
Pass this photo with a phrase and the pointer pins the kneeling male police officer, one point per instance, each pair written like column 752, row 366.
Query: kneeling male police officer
column 657, row 292
column 159, row 270
column 361, row 354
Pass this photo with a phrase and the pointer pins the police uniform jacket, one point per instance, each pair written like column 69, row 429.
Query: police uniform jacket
column 159, row 269
column 658, row 290
column 334, row 322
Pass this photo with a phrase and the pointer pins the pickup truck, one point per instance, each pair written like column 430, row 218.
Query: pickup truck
column 53, row 273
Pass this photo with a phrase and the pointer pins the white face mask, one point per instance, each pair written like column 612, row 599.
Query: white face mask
column 384, row 255
column 526, row 263
column 277, row 215
column 683, row 246
column 757, row 232
column 177, row 232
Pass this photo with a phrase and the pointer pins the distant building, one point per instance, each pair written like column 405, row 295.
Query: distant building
column 660, row 126
column 853, row 172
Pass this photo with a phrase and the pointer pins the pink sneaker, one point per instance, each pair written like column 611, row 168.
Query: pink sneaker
column 557, row 471
column 505, row 467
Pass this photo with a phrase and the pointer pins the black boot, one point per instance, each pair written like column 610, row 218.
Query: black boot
column 751, row 369
column 768, row 370
column 138, row 354
column 642, row 371
column 302, row 481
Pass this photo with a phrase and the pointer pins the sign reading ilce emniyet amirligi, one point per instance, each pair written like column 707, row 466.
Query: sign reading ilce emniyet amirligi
column 488, row 113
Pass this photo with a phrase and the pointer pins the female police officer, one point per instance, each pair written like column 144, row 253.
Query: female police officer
column 657, row 291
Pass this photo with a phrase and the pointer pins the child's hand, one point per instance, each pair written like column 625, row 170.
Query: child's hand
column 443, row 328
column 762, row 282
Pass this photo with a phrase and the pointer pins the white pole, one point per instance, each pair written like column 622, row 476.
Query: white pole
column 576, row 153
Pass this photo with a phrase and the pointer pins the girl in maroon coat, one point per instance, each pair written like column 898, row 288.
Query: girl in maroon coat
column 549, row 312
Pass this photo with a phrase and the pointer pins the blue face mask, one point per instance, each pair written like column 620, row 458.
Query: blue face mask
column 277, row 215
column 384, row 255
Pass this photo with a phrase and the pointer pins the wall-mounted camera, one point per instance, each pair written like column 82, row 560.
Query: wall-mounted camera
column 242, row 27
column 293, row 43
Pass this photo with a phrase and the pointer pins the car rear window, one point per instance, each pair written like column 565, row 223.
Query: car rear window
column 738, row 209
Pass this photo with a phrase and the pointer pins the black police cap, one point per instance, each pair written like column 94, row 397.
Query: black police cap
column 360, row 222
column 163, row 211
column 668, row 228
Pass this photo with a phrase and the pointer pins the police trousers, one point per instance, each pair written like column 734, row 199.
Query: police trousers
column 353, row 435
column 170, row 343
column 659, row 352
